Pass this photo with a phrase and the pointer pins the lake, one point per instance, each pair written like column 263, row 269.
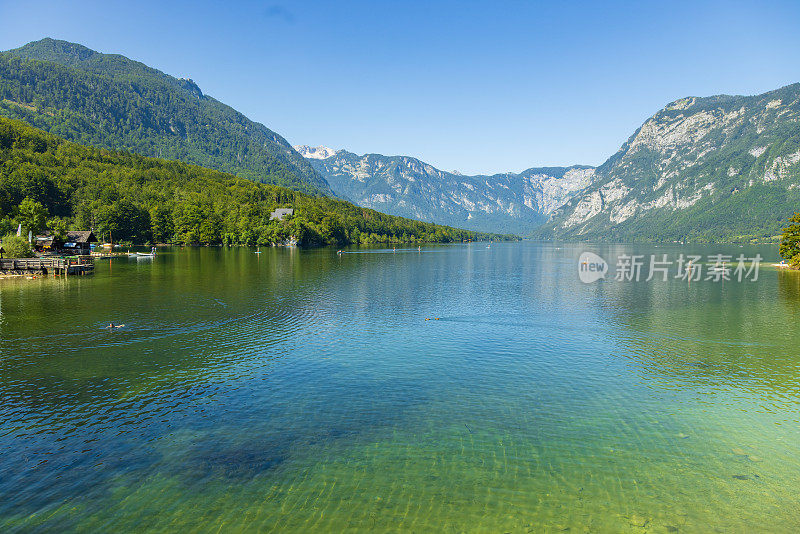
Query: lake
column 301, row 390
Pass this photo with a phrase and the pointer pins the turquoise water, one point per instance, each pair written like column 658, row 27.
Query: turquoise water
column 304, row 391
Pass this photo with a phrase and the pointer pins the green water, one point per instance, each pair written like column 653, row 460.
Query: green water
column 304, row 391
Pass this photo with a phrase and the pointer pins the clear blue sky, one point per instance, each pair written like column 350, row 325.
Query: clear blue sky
column 475, row 86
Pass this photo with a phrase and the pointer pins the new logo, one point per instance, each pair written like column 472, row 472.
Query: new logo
column 591, row 267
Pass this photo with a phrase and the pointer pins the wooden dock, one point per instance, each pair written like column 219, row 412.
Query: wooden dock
column 49, row 265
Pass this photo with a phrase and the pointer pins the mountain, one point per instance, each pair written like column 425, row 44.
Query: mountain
column 721, row 168
column 148, row 199
column 408, row 187
column 110, row 101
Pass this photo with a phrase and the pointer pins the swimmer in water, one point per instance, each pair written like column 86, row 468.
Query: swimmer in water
column 112, row 325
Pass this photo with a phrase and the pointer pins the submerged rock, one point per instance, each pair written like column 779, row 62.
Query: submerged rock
column 638, row 521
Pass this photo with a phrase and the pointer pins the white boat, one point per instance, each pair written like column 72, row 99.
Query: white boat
column 151, row 254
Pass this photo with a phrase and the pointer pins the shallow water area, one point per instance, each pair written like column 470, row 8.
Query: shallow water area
column 303, row 389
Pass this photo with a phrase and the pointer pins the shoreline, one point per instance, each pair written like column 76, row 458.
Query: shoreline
column 4, row 276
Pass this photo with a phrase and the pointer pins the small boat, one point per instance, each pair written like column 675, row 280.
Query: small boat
column 258, row 251
column 151, row 254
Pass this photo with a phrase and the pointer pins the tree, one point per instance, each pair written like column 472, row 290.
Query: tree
column 124, row 220
column 790, row 241
column 332, row 230
column 161, row 223
column 17, row 246
column 31, row 215
column 58, row 226
column 7, row 225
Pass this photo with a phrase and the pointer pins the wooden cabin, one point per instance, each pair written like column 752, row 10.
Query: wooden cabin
column 78, row 243
column 45, row 244
column 75, row 243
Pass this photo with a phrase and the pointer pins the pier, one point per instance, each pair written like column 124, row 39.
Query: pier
column 48, row 265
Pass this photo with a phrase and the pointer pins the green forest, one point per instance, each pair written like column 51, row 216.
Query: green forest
column 790, row 242
column 48, row 183
column 110, row 101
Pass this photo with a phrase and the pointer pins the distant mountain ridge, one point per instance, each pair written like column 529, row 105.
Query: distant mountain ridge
column 408, row 187
column 701, row 169
column 720, row 168
column 111, row 101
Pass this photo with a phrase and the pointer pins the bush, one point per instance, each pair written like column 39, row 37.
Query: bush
column 790, row 239
column 16, row 247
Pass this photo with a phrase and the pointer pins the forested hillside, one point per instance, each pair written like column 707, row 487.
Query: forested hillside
column 153, row 200
column 113, row 102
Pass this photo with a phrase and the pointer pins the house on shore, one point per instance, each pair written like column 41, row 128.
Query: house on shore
column 78, row 242
column 45, row 244
column 281, row 213
column 75, row 243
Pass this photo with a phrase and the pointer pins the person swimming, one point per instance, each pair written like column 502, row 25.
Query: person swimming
column 112, row 325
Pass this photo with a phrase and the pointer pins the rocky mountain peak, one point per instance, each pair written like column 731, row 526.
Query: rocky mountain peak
column 315, row 152
column 713, row 168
